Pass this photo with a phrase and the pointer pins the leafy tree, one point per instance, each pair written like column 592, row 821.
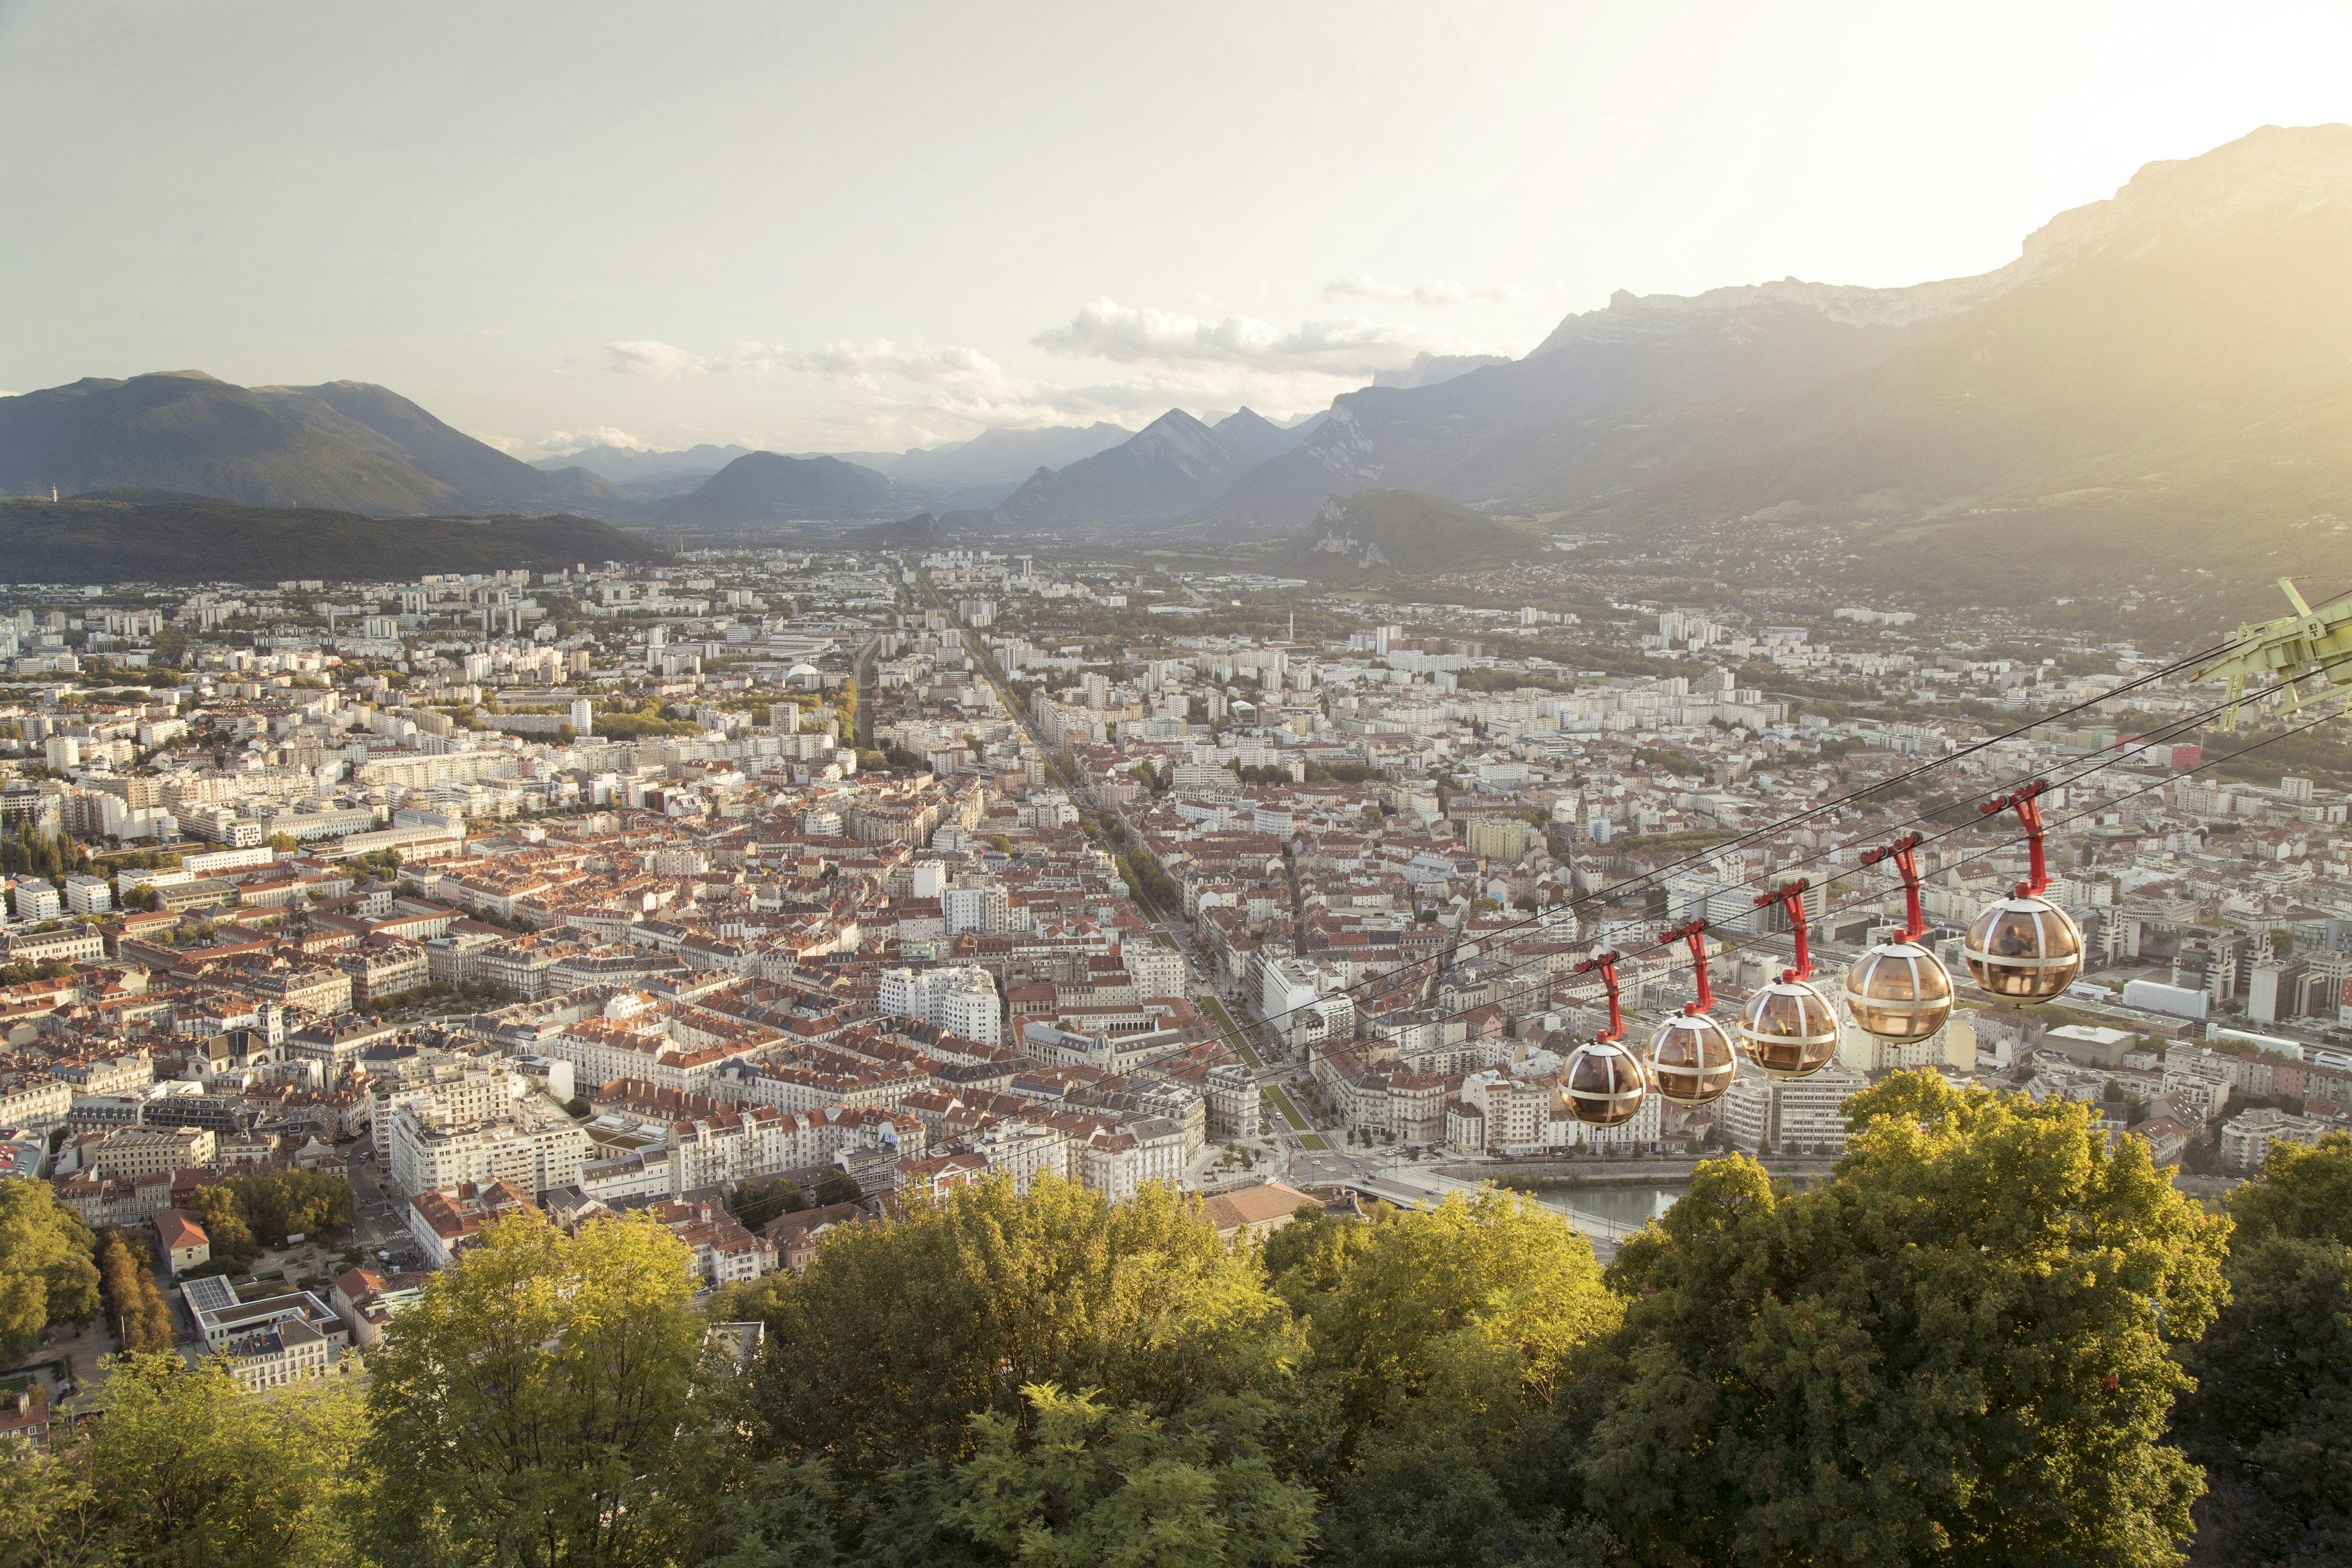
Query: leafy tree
column 904, row 1330
column 141, row 1320
column 216, row 1208
column 1307, row 1259
column 1956, row 1351
column 188, row 1466
column 533, row 1408
column 1079, row 1483
column 47, row 1275
column 50, row 1513
column 756, row 1203
column 2272, row 1411
column 1439, row 1340
column 1481, row 1300
column 839, row 1187
column 279, row 1203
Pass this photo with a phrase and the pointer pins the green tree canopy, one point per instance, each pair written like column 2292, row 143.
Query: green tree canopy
column 1957, row 1349
column 1078, row 1483
column 47, row 1273
column 839, row 1187
column 756, row 1203
column 1482, row 1298
column 216, row 1208
column 187, row 1467
column 279, row 1203
column 2272, row 1411
column 902, row 1331
column 531, row 1409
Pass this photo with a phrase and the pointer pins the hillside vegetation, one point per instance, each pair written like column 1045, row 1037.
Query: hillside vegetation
column 179, row 542
column 1376, row 533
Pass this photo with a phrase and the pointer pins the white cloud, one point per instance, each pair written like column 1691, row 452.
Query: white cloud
column 564, row 442
column 664, row 362
column 1430, row 291
column 503, row 443
column 843, row 360
column 1344, row 346
column 892, row 392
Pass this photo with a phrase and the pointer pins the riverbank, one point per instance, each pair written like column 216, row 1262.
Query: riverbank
column 1546, row 1175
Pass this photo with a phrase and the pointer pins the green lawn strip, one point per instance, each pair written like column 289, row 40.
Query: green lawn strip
column 1306, row 1140
column 1164, row 940
column 1233, row 1035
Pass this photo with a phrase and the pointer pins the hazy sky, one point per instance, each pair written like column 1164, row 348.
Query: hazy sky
column 844, row 226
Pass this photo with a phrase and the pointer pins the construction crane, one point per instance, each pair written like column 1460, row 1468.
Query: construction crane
column 2308, row 642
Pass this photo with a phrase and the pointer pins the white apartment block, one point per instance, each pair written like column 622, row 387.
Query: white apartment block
column 36, row 900
column 1513, row 1115
column 1790, row 1113
column 1024, row 1151
column 1117, row 1165
column 430, row 1154
column 151, row 1150
column 980, row 910
column 38, row 1103
column 1157, row 971
column 2247, row 1137
column 460, row 1095
column 961, row 999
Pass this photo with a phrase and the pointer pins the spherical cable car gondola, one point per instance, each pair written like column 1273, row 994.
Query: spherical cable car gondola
column 1603, row 1082
column 2024, row 948
column 1789, row 1028
column 1899, row 990
column 1690, row 1056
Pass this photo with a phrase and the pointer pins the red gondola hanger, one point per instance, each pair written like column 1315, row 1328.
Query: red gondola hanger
column 1904, row 853
column 1899, row 990
column 2024, row 948
column 2026, row 801
column 1604, row 1083
column 1695, row 933
column 1690, row 1056
column 1788, row 1027
column 1792, row 895
column 1607, row 964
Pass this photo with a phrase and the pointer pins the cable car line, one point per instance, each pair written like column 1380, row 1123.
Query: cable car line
column 1852, row 796
column 1602, row 1088
column 2162, row 731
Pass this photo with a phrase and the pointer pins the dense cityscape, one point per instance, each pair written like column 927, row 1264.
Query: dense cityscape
column 931, row 787
column 618, row 890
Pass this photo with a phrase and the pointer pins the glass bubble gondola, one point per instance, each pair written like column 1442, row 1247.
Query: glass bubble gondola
column 1898, row 990
column 1604, row 1083
column 1789, row 1028
column 2024, row 948
column 1691, row 1056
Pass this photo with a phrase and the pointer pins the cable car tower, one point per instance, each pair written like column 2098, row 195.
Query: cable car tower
column 2308, row 642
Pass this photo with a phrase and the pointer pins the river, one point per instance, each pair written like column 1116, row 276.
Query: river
column 1621, row 1205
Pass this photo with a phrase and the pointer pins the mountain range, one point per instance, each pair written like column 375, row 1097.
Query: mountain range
column 1174, row 465
column 2196, row 322
column 345, row 445
column 2150, row 368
